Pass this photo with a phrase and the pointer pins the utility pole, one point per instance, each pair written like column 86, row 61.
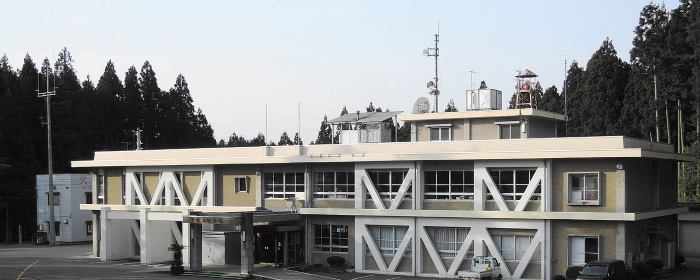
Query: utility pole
column 656, row 107
column 435, row 52
column 138, row 138
column 48, row 94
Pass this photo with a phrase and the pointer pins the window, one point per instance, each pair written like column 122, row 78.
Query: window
column 57, row 228
column 440, row 133
column 388, row 239
column 512, row 183
column 448, row 241
column 284, row 184
column 334, row 185
column 88, row 198
column 583, row 249
column 449, row 185
column 88, row 227
column 241, row 183
column 331, row 238
column 584, row 188
column 101, row 189
column 513, row 247
column 56, row 199
column 388, row 182
column 509, row 130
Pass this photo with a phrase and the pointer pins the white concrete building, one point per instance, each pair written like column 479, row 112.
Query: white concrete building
column 71, row 190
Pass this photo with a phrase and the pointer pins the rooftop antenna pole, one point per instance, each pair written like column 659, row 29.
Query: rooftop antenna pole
column 47, row 94
column 299, row 123
column 435, row 52
column 265, row 124
column 471, row 79
column 566, row 107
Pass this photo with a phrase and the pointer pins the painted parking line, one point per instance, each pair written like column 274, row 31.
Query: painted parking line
column 362, row 277
column 25, row 269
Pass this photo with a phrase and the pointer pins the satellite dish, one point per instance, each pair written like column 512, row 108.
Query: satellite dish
column 431, row 84
column 421, row 106
column 434, row 92
column 425, row 51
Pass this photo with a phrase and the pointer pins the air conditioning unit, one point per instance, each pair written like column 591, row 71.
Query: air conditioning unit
column 484, row 99
column 40, row 227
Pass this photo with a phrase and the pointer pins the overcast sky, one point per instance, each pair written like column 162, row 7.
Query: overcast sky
column 241, row 56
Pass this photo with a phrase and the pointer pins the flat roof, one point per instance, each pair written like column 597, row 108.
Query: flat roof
column 478, row 114
column 497, row 149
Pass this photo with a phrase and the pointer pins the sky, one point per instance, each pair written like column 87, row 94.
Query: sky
column 273, row 66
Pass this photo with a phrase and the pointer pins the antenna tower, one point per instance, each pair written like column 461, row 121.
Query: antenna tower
column 434, row 52
column 47, row 94
column 525, row 80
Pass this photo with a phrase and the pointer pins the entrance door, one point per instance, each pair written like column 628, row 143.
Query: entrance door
column 269, row 247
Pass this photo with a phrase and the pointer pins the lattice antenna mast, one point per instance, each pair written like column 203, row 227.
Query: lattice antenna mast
column 433, row 85
column 47, row 94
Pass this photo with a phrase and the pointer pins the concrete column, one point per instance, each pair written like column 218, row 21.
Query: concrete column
column 195, row 246
column 247, row 243
column 285, row 254
column 620, row 190
column 143, row 235
column 96, row 233
column 104, row 234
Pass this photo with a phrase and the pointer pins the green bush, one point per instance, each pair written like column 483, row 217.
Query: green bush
column 336, row 261
column 631, row 274
column 643, row 269
column 680, row 259
column 656, row 263
column 572, row 272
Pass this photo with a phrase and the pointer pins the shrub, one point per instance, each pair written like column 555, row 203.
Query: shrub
column 631, row 274
column 680, row 259
column 559, row 277
column 643, row 269
column 656, row 263
column 336, row 261
column 572, row 272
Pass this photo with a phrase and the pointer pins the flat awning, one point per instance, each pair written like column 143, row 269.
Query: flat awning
column 235, row 218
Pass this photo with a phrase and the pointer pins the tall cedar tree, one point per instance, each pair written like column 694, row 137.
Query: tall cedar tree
column 110, row 109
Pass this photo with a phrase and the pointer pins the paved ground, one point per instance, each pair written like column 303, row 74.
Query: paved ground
column 75, row 262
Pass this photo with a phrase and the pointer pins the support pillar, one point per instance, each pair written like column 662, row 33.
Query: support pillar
column 195, row 246
column 247, row 243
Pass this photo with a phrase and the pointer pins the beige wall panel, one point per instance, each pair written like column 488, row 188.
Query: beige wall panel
column 483, row 129
column 449, row 205
column 113, row 186
column 331, row 203
column 226, row 191
column 192, row 180
column 149, row 184
column 541, row 128
column 561, row 230
column 608, row 184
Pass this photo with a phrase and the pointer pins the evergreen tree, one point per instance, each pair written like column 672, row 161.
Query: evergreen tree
column 151, row 94
column 284, row 140
column 237, row 141
column 325, row 132
column 111, row 114
column 551, row 101
column 575, row 100
column 133, row 106
column 604, row 85
column 297, row 139
column 258, row 140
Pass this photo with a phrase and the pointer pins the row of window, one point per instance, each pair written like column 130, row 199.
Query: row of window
column 448, row 241
column 509, row 130
column 584, row 188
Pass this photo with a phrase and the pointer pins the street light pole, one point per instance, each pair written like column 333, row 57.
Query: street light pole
column 48, row 94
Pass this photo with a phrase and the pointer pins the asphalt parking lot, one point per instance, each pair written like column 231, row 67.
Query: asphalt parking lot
column 75, row 262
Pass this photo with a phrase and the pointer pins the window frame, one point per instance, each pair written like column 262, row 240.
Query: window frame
column 511, row 125
column 432, row 189
column 320, row 185
column 88, row 198
column 100, row 185
column 514, row 194
column 237, row 186
column 381, row 187
column 56, row 198
column 571, row 251
column 394, row 240
column 583, row 201
column 334, row 244
column 441, row 129
column 448, row 249
column 517, row 251
column 88, row 228
column 279, row 190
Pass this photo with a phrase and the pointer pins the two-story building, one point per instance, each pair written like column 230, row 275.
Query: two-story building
column 483, row 182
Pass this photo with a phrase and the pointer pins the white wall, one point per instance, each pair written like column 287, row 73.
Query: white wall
column 72, row 189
